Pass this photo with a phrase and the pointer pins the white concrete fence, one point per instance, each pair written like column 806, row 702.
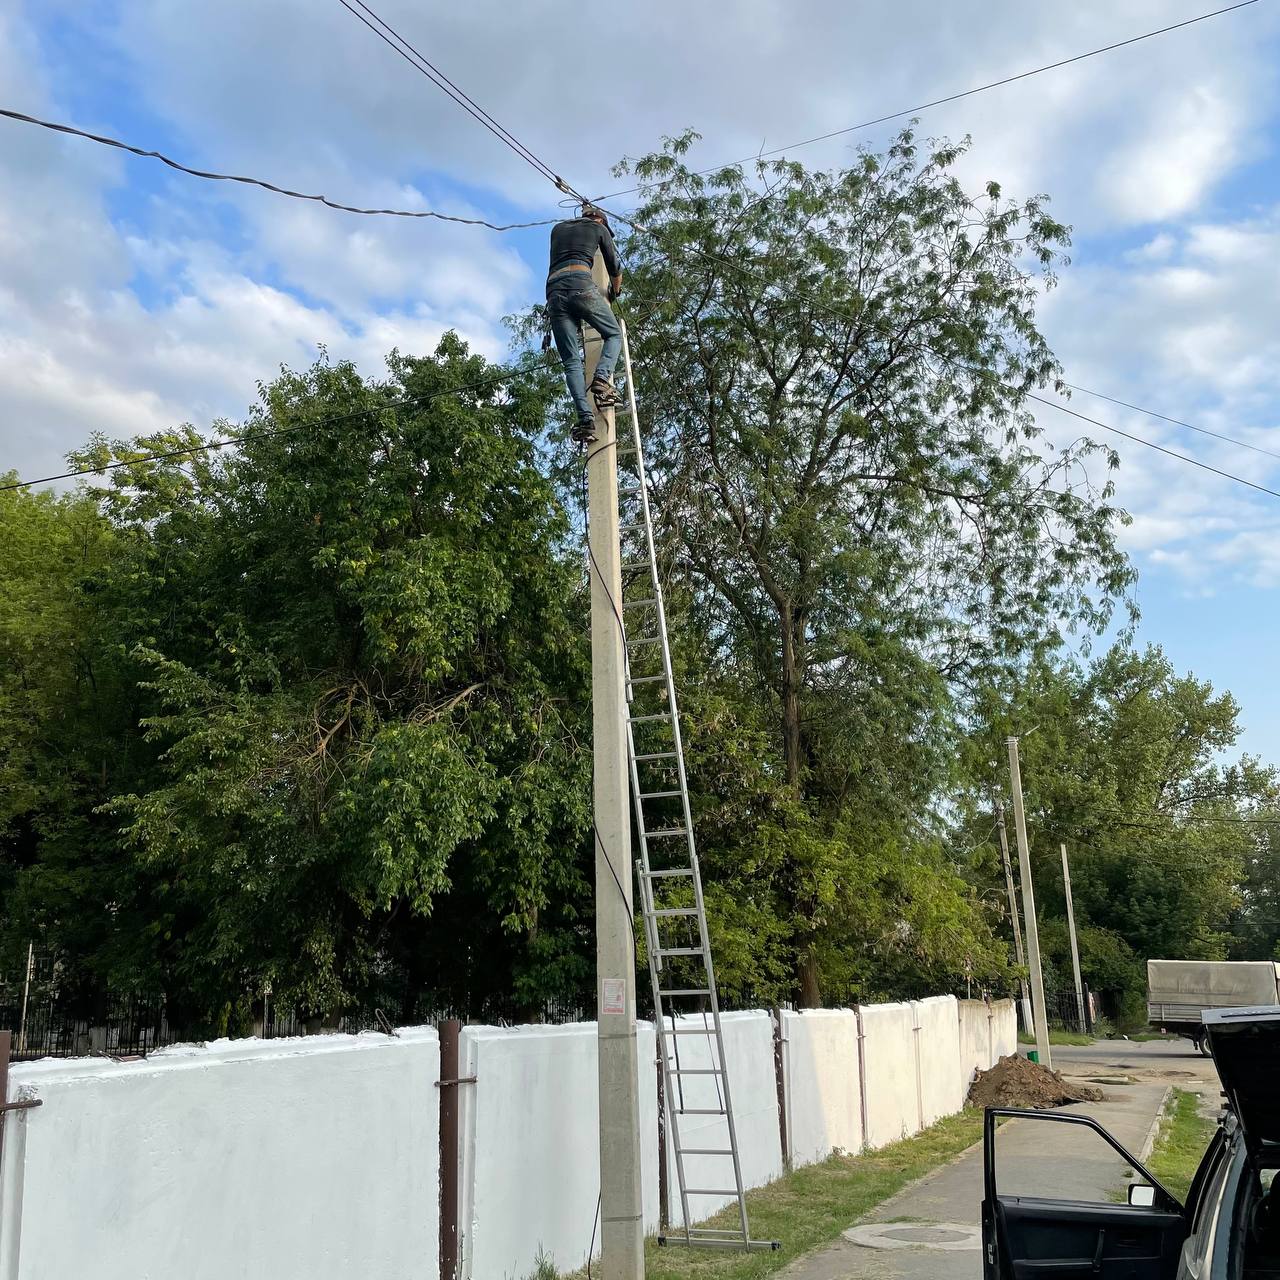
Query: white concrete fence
column 319, row 1158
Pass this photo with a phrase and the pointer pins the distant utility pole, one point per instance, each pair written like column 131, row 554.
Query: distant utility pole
column 1071, row 929
column 1013, row 915
column 1038, row 1012
column 621, row 1208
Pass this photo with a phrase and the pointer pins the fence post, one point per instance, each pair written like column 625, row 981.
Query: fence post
column 915, row 1040
column 862, row 1075
column 780, row 1081
column 663, row 1217
column 450, row 1035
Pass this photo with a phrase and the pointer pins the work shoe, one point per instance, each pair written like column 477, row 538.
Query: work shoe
column 585, row 431
column 605, row 393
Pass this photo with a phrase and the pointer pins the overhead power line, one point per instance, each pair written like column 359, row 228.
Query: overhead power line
column 207, row 446
column 105, row 141
column 1150, row 444
column 1177, row 422
column 953, row 97
column 390, row 36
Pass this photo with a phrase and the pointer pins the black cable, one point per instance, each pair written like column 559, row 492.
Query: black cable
column 1159, row 448
column 819, row 304
column 390, row 37
column 595, row 1223
column 1177, row 422
column 261, row 182
column 954, row 97
column 443, row 82
column 164, row 455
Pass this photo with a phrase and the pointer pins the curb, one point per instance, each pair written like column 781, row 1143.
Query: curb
column 1149, row 1142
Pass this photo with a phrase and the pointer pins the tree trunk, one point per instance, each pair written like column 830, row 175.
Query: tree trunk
column 810, row 992
column 790, row 693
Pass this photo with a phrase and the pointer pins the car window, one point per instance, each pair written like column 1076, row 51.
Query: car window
column 1209, row 1166
column 1204, row 1252
column 1048, row 1160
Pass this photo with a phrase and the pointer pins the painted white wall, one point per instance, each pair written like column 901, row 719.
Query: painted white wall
column 1005, row 1026
column 824, row 1109
column 303, row 1159
column 977, row 1038
column 938, row 1057
column 529, row 1146
column 748, row 1046
column 889, row 1054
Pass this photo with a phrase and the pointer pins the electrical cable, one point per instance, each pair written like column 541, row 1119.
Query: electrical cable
column 1150, row 444
column 164, row 455
column 954, row 97
column 392, row 38
column 819, row 304
column 409, row 53
column 1177, row 422
column 105, row 141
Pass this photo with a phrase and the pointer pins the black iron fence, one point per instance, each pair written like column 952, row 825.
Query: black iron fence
column 1066, row 1011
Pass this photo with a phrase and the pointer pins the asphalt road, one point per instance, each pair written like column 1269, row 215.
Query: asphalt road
column 1168, row 1062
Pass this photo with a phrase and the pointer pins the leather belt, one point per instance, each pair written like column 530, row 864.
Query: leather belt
column 573, row 266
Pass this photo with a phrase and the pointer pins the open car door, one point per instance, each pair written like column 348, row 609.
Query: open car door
column 1036, row 1238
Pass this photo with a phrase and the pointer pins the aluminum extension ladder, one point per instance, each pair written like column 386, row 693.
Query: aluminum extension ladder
column 691, row 1051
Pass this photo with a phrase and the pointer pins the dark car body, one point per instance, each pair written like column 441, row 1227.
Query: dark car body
column 1229, row 1228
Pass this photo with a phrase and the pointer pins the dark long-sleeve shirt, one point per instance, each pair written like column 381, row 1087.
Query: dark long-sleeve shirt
column 577, row 240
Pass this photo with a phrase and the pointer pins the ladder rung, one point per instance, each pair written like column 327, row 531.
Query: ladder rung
column 644, row 640
column 690, row 1031
column 657, row 715
column 685, row 991
column 633, row 564
column 645, row 679
column 705, row 1151
column 657, row 755
column 710, row 1191
column 697, row 1071
column 701, row 1111
column 676, row 911
column 637, row 604
column 679, row 951
column 630, row 490
column 735, row 1241
column 659, row 795
column 672, row 871
column 668, row 831
column 626, row 451
column 631, row 528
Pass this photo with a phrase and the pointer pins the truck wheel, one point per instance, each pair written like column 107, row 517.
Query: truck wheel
column 1201, row 1044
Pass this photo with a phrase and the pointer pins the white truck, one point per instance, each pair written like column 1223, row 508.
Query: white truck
column 1179, row 991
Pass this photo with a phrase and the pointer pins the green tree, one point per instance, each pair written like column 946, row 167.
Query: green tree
column 834, row 371
column 1128, row 766
column 360, row 647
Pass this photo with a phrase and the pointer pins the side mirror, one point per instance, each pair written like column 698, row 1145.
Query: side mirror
column 1141, row 1195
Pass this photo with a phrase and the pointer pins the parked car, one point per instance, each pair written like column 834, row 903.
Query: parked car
column 1178, row 991
column 1229, row 1227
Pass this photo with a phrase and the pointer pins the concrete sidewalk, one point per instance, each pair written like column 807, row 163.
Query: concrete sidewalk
column 931, row 1230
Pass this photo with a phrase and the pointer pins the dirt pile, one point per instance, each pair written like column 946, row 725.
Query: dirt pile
column 1019, row 1082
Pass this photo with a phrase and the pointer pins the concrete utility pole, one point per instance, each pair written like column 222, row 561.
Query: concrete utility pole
column 621, row 1208
column 1013, row 914
column 1039, row 1014
column 1071, row 929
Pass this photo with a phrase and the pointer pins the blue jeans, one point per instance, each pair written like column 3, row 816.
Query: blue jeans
column 573, row 299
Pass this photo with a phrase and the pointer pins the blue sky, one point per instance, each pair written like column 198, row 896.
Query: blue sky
column 132, row 298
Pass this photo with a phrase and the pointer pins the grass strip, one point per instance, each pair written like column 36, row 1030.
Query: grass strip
column 1184, row 1135
column 812, row 1205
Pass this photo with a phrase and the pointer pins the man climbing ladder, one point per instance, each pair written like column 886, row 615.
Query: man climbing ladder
column 573, row 299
